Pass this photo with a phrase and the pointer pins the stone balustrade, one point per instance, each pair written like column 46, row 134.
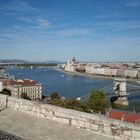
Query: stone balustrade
column 95, row 123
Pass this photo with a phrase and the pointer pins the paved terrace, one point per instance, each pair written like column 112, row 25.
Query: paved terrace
column 33, row 128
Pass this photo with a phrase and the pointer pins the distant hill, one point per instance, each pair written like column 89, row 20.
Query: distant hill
column 56, row 62
column 15, row 61
column 18, row 61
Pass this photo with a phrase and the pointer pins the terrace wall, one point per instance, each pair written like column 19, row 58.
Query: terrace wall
column 95, row 123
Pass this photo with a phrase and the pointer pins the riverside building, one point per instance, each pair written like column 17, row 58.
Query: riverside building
column 99, row 70
column 71, row 65
column 17, row 87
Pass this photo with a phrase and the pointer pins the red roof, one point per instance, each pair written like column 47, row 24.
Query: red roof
column 21, row 82
column 132, row 118
column 125, row 116
column 116, row 114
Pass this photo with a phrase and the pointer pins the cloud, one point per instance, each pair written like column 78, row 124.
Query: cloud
column 75, row 32
column 133, row 3
column 8, row 36
column 18, row 6
column 43, row 23
column 16, row 26
column 114, row 25
column 129, row 24
column 69, row 32
column 26, row 19
column 35, row 22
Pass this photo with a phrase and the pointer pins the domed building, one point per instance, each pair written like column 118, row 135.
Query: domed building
column 71, row 65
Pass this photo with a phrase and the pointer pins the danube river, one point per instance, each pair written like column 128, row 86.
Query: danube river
column 68, row 85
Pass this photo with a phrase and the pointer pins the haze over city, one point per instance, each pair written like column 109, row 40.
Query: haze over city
column 90, row 30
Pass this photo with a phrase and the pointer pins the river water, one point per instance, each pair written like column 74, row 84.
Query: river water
column 68, row 85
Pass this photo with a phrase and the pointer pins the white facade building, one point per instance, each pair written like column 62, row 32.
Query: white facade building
column 106, row 71
column 128, row 72
column 17, row 87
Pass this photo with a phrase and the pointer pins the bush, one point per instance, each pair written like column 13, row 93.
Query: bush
column 97, row 102
column 71, row 103
column 24, row 96
column 57, row 102
column 6, row 92
column 55, row 95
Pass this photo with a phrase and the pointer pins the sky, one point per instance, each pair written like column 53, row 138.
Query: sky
column 90, row 30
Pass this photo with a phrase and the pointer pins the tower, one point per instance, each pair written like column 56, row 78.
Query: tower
column 120, row 91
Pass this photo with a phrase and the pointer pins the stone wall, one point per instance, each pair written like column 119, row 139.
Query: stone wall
column 91, row 122
column 0, row 86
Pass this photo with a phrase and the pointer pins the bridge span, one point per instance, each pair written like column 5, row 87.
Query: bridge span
column 118, row 91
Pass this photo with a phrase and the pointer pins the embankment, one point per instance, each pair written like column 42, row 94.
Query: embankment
column 94, row 75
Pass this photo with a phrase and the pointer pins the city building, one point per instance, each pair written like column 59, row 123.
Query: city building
column 128, row 72
column 113, row 71
column 71, row 65
column 80, row 67
column 100, row 70
column 17, row 87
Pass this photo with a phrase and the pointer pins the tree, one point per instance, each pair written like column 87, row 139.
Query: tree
column 57, row 102
column 97, row 102
column 24, row 96
column 71, row 103
column 55, row 95
column 6, row 92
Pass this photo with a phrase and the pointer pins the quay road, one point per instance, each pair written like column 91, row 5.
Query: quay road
column 33, row 128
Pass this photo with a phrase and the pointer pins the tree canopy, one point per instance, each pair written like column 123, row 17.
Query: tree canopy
column 97, row 102
column 55, row 95
column 6, row 92
column 25, row 96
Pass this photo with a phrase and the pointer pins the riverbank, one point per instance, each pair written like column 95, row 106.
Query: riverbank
column 95, row 76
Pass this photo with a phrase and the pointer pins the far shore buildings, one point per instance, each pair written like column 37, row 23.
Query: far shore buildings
column 101, row 70
column 17, row 87
column 128, row 70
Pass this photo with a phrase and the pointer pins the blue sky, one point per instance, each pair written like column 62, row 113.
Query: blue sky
column 90, row 30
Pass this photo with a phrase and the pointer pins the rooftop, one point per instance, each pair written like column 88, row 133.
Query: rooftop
column 20, row 82
column 125, row 116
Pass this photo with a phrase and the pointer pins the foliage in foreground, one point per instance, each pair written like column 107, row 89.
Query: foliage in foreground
column 6, row 92
column 25, row 96
column 55, row 95
column 97, row 102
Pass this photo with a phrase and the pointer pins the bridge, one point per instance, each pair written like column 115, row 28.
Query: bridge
column 118, row 91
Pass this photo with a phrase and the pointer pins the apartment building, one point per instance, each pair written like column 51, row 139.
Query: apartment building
column 17, row 87
column 106, row 71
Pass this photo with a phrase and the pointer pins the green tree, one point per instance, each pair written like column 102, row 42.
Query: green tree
column 71, row 103
column 25, row 96
column 57, row 102
column 55, row 95
column 97, row 102
column 6, row 92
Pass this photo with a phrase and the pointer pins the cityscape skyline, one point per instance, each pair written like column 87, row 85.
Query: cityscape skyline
column 90, row 30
